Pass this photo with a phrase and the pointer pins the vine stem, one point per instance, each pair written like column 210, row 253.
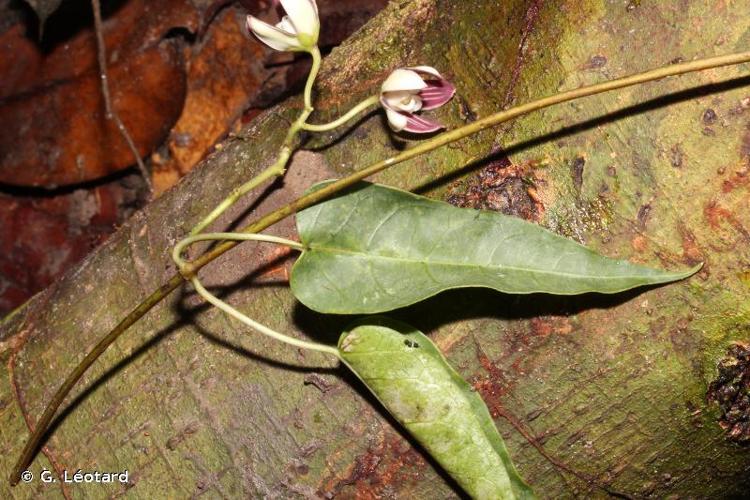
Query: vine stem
column 307, row 200
column 278, row 167
column 324, row 127
column 258, row 326
column 182, row 245
column 212, row 299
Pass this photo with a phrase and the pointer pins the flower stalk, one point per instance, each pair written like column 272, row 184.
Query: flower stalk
column 359, row 108
column 278, row 168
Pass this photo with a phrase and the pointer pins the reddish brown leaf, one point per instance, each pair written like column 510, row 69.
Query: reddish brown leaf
column 52, row 125
column 223, row 77
column 20, row 63
column 42, row 235
column 60, row 135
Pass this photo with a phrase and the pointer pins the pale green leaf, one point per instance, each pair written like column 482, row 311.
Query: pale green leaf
column 376, row 249
column 414, row 382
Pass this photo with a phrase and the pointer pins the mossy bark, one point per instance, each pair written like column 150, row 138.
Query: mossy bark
column 190, row 402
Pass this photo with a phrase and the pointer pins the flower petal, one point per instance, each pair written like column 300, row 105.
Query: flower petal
column 420, row 125
column 429, row 70
column 396, row 119
column 403, row 100
column 272, row 36
column 437, row 93
column 403, row 79
column 286, row 25
column 303, row 14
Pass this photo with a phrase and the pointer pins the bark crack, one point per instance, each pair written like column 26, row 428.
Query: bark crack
column 140, row 267
column 528, row 434
column 59, row 469
column 532, row 14
column 211, row 421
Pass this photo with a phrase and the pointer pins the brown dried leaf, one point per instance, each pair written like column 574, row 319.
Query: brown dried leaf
column 52, row 125
column 223, row 76
column 42, row 235
column 60, row 135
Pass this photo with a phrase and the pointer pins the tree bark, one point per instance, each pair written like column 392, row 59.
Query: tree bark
column 613, row 388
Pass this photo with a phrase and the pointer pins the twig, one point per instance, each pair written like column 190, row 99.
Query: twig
column 111, row 114
column 326, row 192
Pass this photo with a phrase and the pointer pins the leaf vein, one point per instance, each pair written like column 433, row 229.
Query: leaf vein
column 370, row 258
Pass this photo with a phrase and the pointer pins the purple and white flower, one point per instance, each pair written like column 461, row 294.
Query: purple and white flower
column 408, row 90
column 297, row 31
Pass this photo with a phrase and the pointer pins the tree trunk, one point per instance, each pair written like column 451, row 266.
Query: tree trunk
column 612, row 388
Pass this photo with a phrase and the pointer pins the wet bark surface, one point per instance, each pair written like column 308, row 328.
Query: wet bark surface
column 611, row 388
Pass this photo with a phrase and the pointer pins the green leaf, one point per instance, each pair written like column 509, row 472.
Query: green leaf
column 414, row 382
column 376, row 249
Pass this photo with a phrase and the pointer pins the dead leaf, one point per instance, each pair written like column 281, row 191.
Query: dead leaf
column 42, row 235
column 52, row 126
column 21, row 64
column 60, row 135
column 226, row 72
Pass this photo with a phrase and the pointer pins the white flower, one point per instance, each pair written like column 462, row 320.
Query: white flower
column 297, row 31
column 407, row 90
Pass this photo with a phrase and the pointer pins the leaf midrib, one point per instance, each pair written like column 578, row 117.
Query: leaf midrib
column 463, row 265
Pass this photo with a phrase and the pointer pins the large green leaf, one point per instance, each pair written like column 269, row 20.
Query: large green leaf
column 412, row 379
column 376, row 249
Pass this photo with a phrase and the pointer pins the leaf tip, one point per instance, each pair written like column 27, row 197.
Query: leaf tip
column 672, row 277
column 692, row 270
